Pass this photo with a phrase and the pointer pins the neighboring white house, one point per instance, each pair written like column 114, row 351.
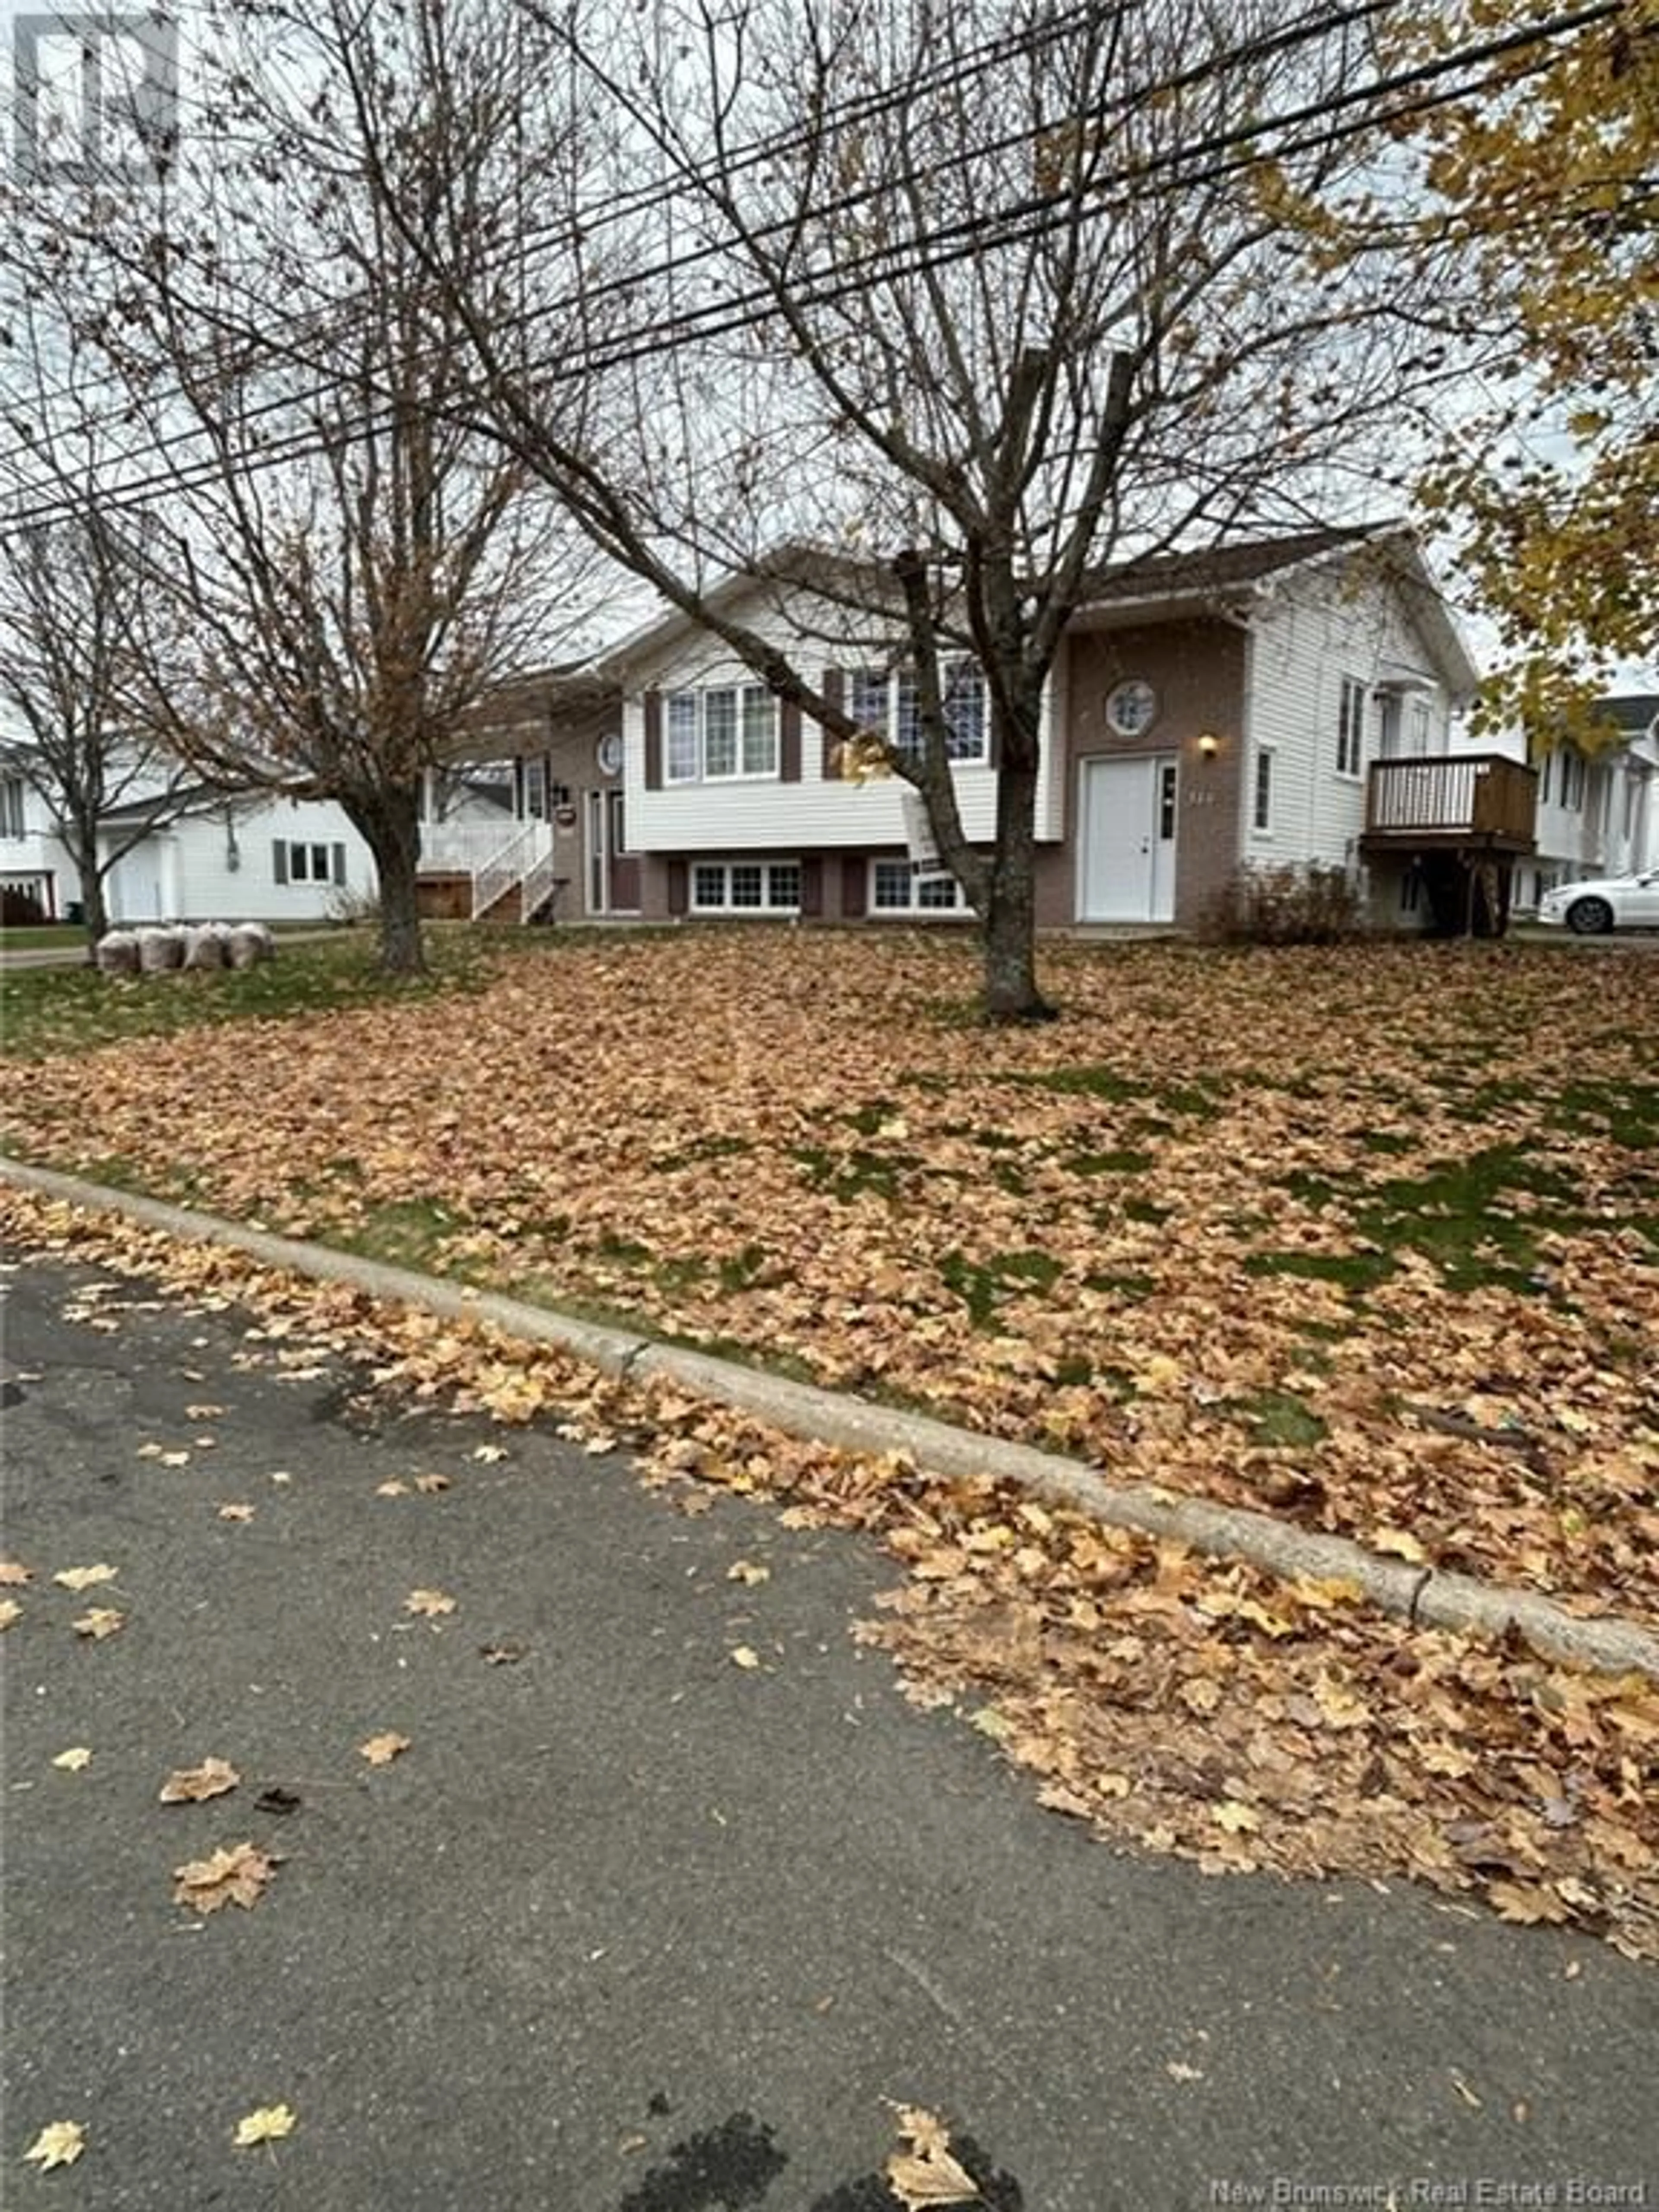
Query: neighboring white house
column 1598, row 814
column 254, row 858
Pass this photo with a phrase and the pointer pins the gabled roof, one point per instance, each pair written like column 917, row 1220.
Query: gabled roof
column 1635, row 712
column 1215, row 570
column 1234, row 576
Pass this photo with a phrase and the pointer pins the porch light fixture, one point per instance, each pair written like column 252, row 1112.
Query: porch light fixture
column 1208, row 744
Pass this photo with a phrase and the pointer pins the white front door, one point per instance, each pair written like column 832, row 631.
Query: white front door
column 1126, row 867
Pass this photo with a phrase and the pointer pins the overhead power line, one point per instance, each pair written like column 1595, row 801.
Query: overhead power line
column 1240, row 148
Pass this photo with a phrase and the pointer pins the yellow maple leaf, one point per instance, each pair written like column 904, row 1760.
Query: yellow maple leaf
column 80, row 1578
column 13, row 1571
column 270, row 2124
column 742, row 1655
column 429, row 1603
column 190, row 1785
column 382, row 1750
column 237, row 1876
column 430, row 1485
column 101, row 1621
column 60, row 2144
column 1398, row 1541
column 1238, row 1818
column 73, row 1761
column 925, row 2173
column 747, row 1572
column 9, row 1611
column 236, row 1512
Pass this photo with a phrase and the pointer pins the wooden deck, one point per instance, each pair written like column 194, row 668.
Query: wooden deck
column 1461, row 800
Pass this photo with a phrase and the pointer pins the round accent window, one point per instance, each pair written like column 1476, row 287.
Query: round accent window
column 1131, row 707
column 609, row 754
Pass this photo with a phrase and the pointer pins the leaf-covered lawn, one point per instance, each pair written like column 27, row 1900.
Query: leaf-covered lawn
column 1368, row 1236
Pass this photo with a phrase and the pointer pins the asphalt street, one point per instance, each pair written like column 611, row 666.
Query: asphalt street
column 671, row 1897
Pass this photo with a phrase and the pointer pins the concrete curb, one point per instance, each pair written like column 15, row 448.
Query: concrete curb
column 1423, row 1595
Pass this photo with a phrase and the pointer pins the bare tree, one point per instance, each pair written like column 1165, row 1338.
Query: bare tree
column 986, row 295
column 355, row 566
column 75, row 614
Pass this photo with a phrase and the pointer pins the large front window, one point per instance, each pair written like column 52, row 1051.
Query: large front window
column 887, row 702
column 722, row 734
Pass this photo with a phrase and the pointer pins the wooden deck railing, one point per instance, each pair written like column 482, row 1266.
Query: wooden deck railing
column 1476, row 795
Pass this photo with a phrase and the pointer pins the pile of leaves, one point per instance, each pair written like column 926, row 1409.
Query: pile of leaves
column 1366, row 1235
column 1187, row 1706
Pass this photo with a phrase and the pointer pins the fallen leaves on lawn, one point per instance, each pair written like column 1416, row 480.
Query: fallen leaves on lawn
column 60, row 2144
column 12, row 1573
column 193, row 1785
column 237, row 1512
column 923, row 2172
column 382, row 1750
column 745, row 1655
column 236, row 1875
column 270, row 2124
column 9, row 1612
column 74, row 1760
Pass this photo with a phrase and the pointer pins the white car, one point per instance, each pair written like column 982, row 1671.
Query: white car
column 1604, row 902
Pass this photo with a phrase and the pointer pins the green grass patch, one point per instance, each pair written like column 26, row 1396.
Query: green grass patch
column 981, row 1284
column 1278, row 1417
column 847, row 1175
column 45, row 1011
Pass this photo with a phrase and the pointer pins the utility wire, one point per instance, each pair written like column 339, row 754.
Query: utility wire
column 1023, row 222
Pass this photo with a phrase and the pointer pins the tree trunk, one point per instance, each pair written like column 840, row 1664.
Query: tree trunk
column 83, row 842
column 390, row 823
column 1008, row 923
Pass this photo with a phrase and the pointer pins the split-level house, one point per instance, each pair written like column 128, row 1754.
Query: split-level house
column 1279, row 702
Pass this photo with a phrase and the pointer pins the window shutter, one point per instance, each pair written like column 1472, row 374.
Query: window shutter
column 679, row 887
column 833, row 688
column 812, row 888
column 653, row 741
column 339, row 864
column 789, row 742
column 853, row 871
column 279, row 859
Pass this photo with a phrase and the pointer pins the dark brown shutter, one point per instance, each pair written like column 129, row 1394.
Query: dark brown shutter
column 812, row 888
column 279, row 859
column 789, row 742
column 854, row 873
column 654, row 742
column 339, row 864
column 833, row 688
column 679, row 887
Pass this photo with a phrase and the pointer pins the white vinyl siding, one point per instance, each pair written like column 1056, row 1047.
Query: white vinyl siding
column 819, row 811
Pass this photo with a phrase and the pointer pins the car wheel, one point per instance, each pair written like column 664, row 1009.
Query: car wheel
column 1590, row 917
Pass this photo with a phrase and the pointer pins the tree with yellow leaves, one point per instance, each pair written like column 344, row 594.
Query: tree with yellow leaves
column 1551, row 181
